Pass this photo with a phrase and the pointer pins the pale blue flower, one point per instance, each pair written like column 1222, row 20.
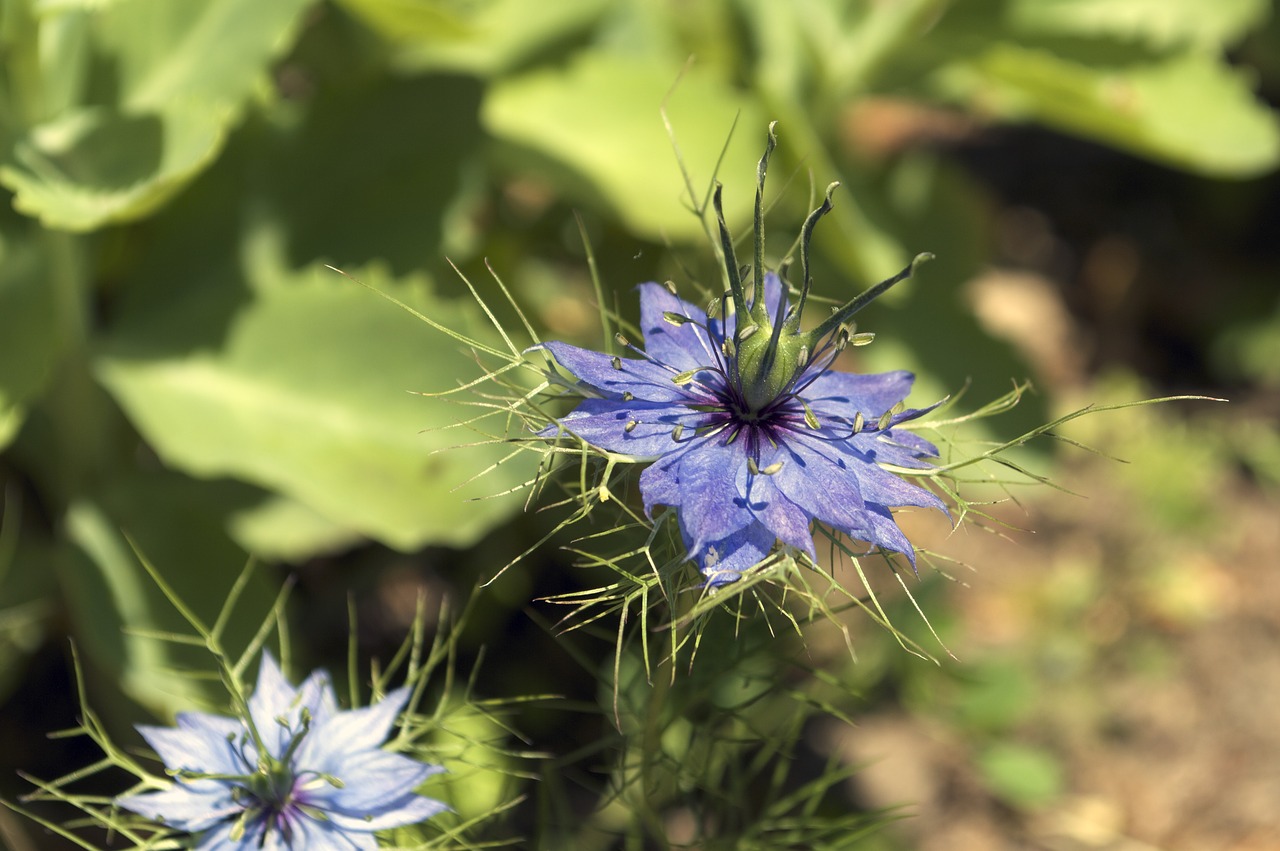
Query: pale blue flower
column 297, row 774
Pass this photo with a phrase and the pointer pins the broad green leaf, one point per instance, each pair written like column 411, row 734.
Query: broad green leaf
column 309, row 395
column 180, row 73
column 485, row 39
column 594, row 128
column 65, row 54
column 214, row 52
column 1189, row 110
column 1159, row 23
column 282, row 529
column 95, row 166
column 29, row 334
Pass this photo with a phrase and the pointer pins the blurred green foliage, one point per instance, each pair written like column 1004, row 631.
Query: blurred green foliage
column 177, row 362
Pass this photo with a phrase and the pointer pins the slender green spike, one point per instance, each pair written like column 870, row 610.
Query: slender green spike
column 858, row 422
column 730, row 259
column 866, row 297
column 622, row 340
column 758, row 224
column 806, row 236
column 676, row 319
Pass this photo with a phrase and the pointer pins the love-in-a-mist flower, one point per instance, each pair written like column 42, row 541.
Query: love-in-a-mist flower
column 297, row 773
column 752, row 434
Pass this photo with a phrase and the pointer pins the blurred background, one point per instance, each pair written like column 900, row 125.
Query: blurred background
column 181, row 374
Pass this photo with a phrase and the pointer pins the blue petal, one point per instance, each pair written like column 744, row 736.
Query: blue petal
column 322, row 835
column 909, row 442
column 727, row 558
column 201, row 742
column 843, row 394
column 603, row 423
column 881, row 486
column 190, row 807
column 273, row 699
column 350, row 732
column 660, row 481
column 406, row 810
column 820, row 484
column 684, row 346
column 880, row 529
column 711, row 505
column 770, row 507
column 647, row 381
column 219, row 838
column 373, row 782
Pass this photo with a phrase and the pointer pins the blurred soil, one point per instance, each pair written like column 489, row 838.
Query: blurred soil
column 1141, row 618
column 1167, row 738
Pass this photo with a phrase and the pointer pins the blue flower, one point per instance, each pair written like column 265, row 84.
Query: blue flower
column 296, row 774
column 752, row 434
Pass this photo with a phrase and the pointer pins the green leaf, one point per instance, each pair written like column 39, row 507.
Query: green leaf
column 29, row 338
column 1158, row 23
column 282, row 529
column 309, row 396
column 179, row 72
column 96, row 166
column 1188, row 110
column 486, row 39
column 213, row 53
column 595, row 128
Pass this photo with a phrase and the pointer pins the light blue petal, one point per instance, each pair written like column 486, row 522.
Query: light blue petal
column 413, row 809
column 647, row 381
column 711, row 506
column 370, row 779
column 684, row 346
column 660, row 481
column 815, row 477
column 844, row 394
column 219, row 839
column 346, row 734
column 312, row 835
column 603, row 423
column 192, row 807
column 201, row 742
column 725, row 560
column 880, row 529
column 273, row 698
column 773, row 510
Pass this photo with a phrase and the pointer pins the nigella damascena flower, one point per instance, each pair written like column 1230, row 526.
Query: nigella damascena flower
column 751, row 432
column 296, row 774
